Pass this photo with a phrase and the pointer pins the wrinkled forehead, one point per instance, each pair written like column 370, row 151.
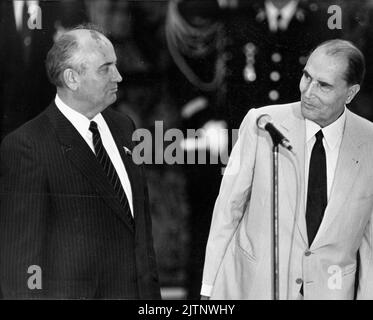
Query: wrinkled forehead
column 327, row 66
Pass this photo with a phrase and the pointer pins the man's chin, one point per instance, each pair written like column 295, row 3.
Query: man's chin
column 307, row 113
column 109, row 102
column 113, row 98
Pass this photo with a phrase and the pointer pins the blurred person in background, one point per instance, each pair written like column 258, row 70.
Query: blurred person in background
column 27, row 31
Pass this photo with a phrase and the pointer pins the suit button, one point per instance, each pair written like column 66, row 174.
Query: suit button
column 273, row 95
column 27, row 41
column 307, row 253
column 299, row 281
column 275, row 76
column 276, row 57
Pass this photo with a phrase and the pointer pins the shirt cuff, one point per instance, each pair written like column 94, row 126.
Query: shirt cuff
column 206, row 290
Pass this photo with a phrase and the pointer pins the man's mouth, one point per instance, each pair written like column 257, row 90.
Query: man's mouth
column 308, row 105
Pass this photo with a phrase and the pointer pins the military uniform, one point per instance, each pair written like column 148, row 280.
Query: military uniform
column 265, row 66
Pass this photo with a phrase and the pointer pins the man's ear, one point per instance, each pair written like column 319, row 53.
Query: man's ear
column 71, row 78
column 352, row 92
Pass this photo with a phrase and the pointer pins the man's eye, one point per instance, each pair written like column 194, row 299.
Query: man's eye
column 104, row 69
column 325, row 87
column 306, row 76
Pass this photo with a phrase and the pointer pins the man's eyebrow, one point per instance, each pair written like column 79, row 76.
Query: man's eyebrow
column 323, row 83
column 107, row 64
column 305, row 72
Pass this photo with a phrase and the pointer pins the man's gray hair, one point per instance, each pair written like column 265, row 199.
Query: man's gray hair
column 355, row 59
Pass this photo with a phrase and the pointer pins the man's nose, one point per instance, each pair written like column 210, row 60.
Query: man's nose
column 116, row 75
column 309, row 89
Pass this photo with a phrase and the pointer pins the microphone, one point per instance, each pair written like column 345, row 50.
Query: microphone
column 264, row 122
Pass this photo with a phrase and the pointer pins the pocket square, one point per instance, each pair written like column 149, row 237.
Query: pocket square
column 127, row 151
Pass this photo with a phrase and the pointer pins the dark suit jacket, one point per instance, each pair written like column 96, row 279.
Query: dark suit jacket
column 59, row 212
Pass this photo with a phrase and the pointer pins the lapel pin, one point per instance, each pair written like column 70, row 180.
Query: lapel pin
column 127, row 151
column 66, row 148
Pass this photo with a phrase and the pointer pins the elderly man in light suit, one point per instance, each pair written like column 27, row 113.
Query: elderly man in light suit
column 325, row 194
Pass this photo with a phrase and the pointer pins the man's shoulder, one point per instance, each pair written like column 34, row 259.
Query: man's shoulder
column 281, row 110
column 278, row 112
column 119, row 118
column 362, row 126
column 33, row 130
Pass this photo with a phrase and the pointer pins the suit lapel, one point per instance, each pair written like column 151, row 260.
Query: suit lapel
column 344, row 177
column 294, row 130
column 82, row 157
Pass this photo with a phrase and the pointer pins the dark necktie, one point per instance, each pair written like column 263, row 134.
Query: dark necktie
column 25, row 34
column 278, row 21
column 317, row 188
column 109, row 169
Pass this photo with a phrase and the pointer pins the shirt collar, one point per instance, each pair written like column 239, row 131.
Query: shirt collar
column 332, row 133
column 79, row 121
column 287, row 11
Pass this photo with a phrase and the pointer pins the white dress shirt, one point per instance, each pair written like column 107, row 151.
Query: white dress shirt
column 287, row 13
column 332, row 142
column 81, row 124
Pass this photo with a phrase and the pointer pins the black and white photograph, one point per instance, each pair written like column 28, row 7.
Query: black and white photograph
column 200, row 151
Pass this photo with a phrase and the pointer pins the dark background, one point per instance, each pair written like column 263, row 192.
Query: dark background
column 155, row 88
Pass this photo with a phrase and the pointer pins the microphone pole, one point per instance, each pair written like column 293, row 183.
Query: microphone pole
column 264, row 122
column 275, row 226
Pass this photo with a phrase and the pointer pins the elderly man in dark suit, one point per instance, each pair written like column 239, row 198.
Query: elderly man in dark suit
column 74, row 213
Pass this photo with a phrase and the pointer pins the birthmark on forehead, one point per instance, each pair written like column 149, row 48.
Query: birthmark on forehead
column 95, row 35
column 100, row 42
column 97, row 38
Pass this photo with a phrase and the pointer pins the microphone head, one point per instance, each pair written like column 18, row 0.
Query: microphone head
column 263, row 120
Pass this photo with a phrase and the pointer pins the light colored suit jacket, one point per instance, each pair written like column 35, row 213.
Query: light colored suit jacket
column 238, row 255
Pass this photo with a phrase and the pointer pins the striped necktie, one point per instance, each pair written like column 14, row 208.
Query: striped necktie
column 104, row 159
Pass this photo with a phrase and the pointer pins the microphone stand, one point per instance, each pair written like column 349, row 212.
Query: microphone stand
column 275, row 225
column 264, row 122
